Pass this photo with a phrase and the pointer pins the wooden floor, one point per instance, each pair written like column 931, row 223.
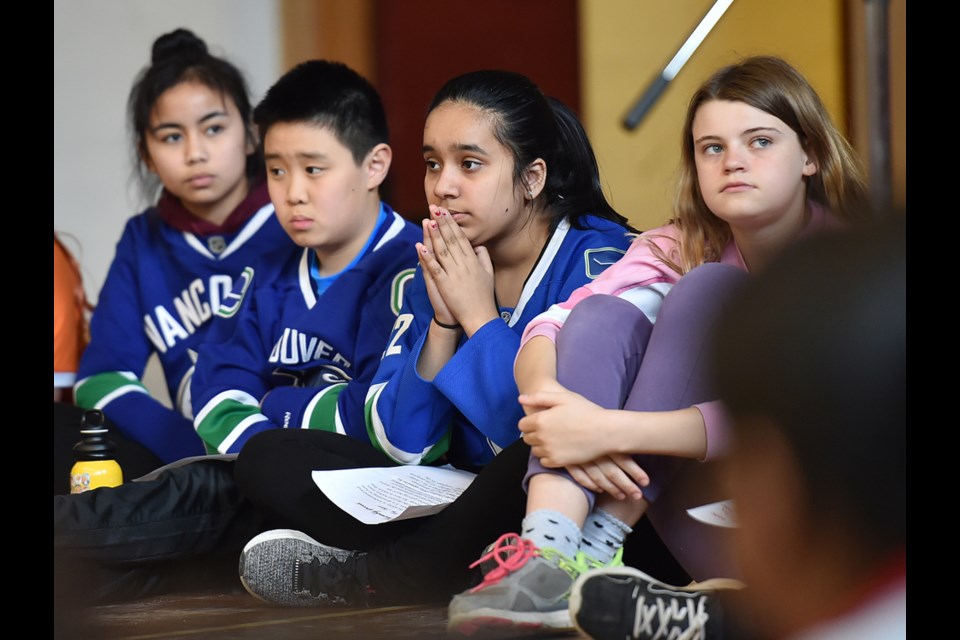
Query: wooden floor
column 239, row 616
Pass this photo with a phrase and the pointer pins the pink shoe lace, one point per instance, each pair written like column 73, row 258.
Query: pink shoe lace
column 510, row 552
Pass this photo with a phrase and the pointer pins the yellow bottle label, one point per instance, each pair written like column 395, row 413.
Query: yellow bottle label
column 90, row 474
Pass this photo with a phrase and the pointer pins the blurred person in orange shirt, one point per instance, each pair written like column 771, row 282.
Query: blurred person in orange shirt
column 70, row 321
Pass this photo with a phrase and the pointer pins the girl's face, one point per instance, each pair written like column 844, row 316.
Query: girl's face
column 470, row 173
column 750, row 166
column 197, row 145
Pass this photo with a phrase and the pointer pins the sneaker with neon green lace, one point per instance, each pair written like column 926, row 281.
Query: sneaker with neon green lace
column 616, row 561
column 524, row 589
column 488, row 561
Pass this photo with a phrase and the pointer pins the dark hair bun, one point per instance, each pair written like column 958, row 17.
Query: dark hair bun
column 178, row 44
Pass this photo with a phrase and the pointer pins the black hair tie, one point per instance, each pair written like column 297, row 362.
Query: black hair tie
column 452, row 327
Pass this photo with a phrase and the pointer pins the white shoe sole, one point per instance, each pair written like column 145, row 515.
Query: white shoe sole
column 486, row 623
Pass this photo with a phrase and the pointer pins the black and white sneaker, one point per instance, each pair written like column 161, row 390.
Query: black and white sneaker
column 289, row 568
column 625, row 603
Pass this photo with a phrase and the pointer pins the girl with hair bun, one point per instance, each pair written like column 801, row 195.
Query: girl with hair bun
column 197, row 160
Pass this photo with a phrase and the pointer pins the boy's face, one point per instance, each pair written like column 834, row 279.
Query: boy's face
column 324, row 201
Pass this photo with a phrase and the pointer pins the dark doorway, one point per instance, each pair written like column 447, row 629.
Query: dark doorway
column 420, row 44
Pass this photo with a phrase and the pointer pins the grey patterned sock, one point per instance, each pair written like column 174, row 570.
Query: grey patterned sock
column 546, row 528
column 603, row 535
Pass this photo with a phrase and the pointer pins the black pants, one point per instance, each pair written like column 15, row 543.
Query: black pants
column 419, row 560
column 183, row 530
column 186, row 528
column 135, row 460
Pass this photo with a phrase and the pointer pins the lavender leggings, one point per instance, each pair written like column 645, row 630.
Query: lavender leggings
column 645, row 367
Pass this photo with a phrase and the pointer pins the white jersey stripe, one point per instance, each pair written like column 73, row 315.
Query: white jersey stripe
column 249, row 230
column 306, row 282
column 395, row 227
column 233, row 394
column 398, row 455
column 308, row 412
column 238, row 430
column 541, row 269
column 116, row 393
column 197, row 246
column 253, row 225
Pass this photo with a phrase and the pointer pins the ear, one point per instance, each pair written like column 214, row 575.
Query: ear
column 253, row 139
column 810, row 166
column 534, row 179
column 377, row 165
column 146, row 160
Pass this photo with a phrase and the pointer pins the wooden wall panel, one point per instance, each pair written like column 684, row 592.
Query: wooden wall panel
column 332, row 29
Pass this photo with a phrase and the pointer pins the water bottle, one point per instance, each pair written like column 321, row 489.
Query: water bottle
column 96, row 465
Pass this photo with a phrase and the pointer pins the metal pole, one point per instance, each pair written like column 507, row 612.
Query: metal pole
column 652, row 93
column 878, row 78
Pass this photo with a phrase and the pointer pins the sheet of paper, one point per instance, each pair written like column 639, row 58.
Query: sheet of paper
column 377, row 495
column 718, row 514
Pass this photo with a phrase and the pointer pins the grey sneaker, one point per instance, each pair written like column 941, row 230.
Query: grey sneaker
column 527, row 591
column 289, row 568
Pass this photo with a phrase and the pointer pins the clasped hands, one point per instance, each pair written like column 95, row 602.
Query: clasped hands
column 564, row 429
column 458, row 276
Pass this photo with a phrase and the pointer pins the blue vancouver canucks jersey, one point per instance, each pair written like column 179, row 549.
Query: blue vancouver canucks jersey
column 470, row 410
column 298, row 360
column 161, row 292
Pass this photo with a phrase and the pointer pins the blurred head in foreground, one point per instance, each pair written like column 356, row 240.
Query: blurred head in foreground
column 811, row 363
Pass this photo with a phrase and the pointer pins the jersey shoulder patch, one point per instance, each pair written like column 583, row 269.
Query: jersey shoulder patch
column 597, row 260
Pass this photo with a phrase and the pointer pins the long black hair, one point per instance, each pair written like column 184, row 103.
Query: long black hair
column 177, row 57
column 532, row 125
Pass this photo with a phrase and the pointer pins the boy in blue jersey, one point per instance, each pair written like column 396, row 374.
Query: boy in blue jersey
column 295, row 350
column 312, row 337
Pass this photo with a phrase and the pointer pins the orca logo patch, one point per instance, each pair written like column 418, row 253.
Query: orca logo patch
column 596, row 261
